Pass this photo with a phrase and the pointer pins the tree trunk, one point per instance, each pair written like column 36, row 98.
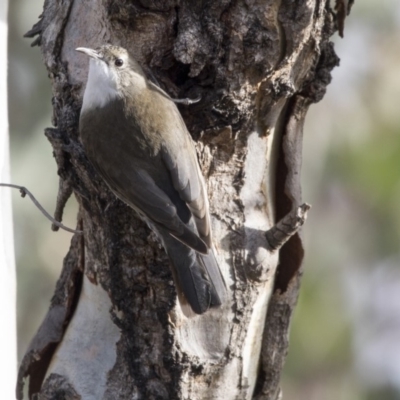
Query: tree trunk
column 114, row 329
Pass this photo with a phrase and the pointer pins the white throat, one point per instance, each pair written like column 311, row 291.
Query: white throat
column 101, row 86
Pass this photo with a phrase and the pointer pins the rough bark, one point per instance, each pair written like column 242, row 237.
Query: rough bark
column 116, row 331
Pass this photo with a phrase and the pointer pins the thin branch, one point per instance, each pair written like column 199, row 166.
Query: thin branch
column 280, row 233
column 156, row 85
column 24, row 191
column 187, row 101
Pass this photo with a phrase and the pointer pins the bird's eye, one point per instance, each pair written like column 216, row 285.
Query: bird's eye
column 119, row 62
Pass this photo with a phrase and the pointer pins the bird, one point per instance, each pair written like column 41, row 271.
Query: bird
column 137, row 141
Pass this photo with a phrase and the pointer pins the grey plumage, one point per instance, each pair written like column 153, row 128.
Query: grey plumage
column 138, row 142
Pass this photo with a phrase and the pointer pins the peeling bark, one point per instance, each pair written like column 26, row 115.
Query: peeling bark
column 117, row 331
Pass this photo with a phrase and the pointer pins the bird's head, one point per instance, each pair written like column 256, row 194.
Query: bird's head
column 112, row 72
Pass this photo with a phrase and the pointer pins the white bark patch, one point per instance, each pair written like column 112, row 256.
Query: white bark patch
column 257, row 198
column 252, row 343
column 88, row 350
column 205, row 336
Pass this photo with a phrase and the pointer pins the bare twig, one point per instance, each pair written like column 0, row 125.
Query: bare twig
column 342, row 8
column 187, row 101
column 155, row 84
column 280, row 233
column 24, row 191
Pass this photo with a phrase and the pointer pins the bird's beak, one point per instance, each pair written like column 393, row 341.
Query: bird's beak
column 90, row 52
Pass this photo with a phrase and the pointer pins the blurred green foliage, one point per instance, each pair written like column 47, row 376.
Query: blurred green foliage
column 350, row 175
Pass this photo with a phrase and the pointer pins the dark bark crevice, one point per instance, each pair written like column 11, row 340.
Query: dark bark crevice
column 63, row 304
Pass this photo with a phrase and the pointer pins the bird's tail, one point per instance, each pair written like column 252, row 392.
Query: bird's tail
column 197, row 276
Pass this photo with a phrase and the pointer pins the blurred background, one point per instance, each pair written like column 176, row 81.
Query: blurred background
column 345, row 334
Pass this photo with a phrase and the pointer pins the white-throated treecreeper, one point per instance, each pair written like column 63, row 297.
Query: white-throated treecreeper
column 136, row 139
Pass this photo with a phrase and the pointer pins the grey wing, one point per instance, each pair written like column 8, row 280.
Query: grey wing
column 188, row 181
column 137, row 188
